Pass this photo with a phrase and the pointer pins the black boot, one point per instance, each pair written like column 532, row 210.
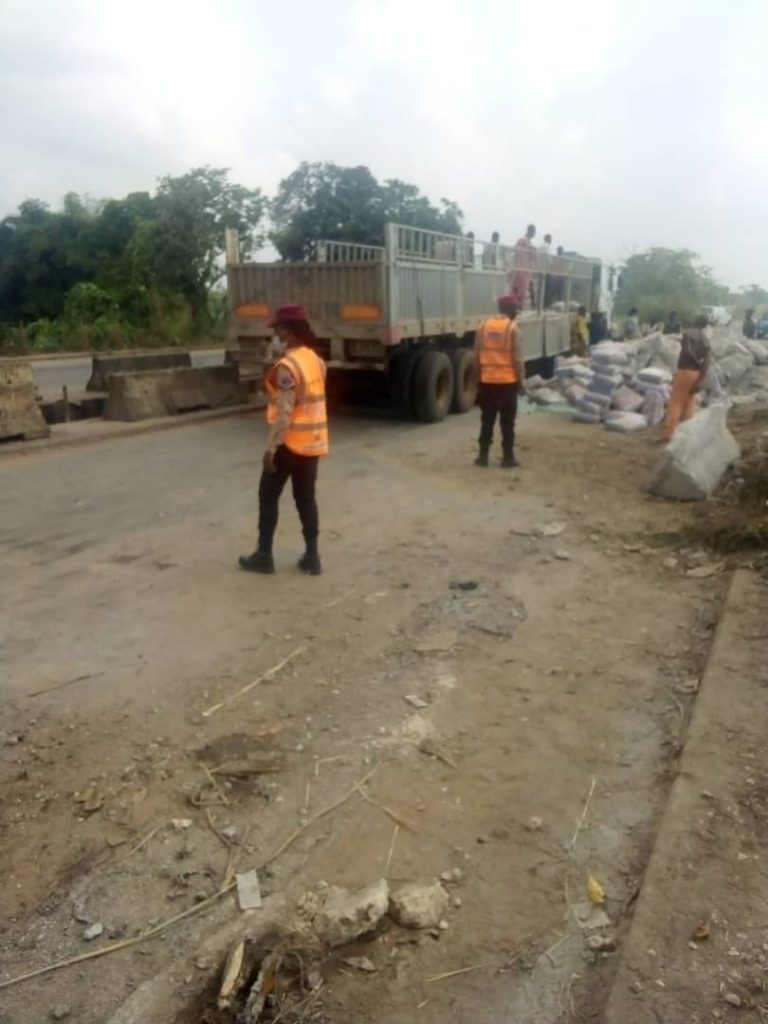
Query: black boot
column 310, row 560
column 260, row 561
column 509, row 462
column 482, row 458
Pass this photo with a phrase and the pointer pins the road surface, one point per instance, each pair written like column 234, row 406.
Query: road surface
column 486, row 674
column 53, row 374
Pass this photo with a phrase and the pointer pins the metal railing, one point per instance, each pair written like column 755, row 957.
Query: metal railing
column 347, row 252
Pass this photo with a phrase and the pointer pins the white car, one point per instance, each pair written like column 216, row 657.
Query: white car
column 718, row 316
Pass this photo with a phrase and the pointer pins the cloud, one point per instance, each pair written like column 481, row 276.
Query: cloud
column 613, row 124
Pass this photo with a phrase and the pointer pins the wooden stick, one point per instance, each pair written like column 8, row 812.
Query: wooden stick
column 269, row 674
column 233, row 860
column 68, row 682
column 143, row 842
column 583, row 817
column 214, row 783
column 190, row 912
column 115, row 946
column 454, row 974
column 306, row 794
column 219, row 835
column 388, row 811
column 391, row 850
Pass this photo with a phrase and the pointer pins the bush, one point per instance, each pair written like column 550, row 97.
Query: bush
column 87, row 303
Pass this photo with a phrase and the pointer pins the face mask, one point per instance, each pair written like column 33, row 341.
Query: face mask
column 277, row 347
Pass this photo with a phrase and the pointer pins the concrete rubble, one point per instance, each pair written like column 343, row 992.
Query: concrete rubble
column 419, row 905
column 345, row 915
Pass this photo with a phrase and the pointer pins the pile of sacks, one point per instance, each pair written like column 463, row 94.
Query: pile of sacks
column 627, row 385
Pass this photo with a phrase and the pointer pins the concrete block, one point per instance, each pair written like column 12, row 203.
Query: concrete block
column 149, row 394
column 693, row 463
column 103, row 366
column 20, row 415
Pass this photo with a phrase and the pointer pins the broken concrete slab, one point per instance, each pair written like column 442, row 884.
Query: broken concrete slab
column 103, row 366
column 693, row 463
column 348, row 914
column 418, row 905
column 140, row 396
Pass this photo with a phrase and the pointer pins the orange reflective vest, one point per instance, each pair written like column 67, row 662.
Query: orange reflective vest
column 496, row 350
column 308, row 430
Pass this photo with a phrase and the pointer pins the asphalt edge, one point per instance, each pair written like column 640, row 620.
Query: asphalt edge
column 53, row 443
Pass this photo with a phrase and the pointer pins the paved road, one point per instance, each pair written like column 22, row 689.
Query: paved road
column 53, row 374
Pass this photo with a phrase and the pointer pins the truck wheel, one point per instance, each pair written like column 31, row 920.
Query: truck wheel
column 401, row 371
column 465, row 379
column 433, row 387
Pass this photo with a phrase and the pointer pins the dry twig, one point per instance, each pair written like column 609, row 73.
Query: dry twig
column 453, row 974
column 387, row 810
column 583, row 818
column 391, row 851
column 269, row 674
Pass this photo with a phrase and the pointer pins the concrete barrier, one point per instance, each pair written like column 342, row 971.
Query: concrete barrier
column 103, row 366
column 141, row 396
column 20, row 415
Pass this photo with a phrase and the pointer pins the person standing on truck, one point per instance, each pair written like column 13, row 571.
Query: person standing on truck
column 521, row 275
column 298, row 438
column 502, row 378
column 545, row 262
column 692, row 371
column 491, row 255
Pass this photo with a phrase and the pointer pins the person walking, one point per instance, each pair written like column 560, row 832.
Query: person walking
column 502, row 378
column 298, row 438
column 692, row 370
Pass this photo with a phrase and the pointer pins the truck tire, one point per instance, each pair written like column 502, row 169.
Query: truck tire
column 466, row 375
column 401, row 370
column 432, row 387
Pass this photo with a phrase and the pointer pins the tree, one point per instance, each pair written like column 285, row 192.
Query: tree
column 323, row 200
column 661, row 280
column 180, row 247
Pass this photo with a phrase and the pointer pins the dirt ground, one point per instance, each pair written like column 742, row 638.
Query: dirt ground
column 553, row 677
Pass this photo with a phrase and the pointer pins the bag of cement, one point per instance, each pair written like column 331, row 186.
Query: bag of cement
column 609, row 353
column 574, row 393
column 735, row 366
column 546, row 396
column 693, row 463
column 586, row 417
column 655, row 375
column 605, row 385
column 626, row 400
column 625, row 422
column 759, row 351
column 590, row 408
column 598, row 399
column 653, row 408
column 534, row 382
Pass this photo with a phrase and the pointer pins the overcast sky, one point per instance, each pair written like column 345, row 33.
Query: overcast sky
column 613, row 124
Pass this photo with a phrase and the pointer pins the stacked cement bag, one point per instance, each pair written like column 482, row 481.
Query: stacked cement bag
column 609, row 362
column 625, row 422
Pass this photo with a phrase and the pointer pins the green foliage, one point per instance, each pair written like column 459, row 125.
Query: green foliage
column 86, row 302
column 661, row 280
column 323, row 200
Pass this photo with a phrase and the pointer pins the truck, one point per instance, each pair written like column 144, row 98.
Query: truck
column 409, row 310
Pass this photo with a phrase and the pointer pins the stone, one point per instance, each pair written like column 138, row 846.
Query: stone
column 601, row 943
column 361, row 963
column 419, row 905
column 348, row 914
column 693, row 463
column 732, row 999
column 61, row 1012
column 93, row 931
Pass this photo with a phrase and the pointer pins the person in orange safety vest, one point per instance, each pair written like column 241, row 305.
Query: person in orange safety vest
column 502, row 378
column 298, row 438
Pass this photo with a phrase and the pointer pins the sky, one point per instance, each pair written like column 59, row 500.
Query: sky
column 613, row 124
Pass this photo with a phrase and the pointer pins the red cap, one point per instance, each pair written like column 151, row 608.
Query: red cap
column 508, row 304
column 284, row 313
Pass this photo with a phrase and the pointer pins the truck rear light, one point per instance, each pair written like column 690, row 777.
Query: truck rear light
column 253, row 310
column 351, row 312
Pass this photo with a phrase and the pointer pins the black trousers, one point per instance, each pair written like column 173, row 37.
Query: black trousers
column 498, row 400
column 302, row 471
